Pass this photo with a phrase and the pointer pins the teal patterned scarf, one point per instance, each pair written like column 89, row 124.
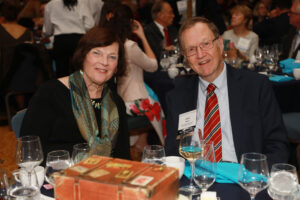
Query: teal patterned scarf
column 100, row 144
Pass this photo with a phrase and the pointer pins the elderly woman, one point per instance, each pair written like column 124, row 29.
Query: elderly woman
column 82, row 107
column 244, row 40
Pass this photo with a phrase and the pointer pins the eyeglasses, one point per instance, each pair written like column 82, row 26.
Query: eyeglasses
column 204, row 46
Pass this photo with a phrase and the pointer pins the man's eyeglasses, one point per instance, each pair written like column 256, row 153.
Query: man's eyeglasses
column 204, row 46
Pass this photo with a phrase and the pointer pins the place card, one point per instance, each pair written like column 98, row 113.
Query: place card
column 187, row 120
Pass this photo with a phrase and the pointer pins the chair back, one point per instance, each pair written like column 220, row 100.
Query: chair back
column 16, row 121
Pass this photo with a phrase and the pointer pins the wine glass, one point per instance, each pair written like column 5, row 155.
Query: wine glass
column 283, row 183
column 3, row 184
column 80, row 152
column 154, row 154
column 29, row 154
column 164, row 60
column 206, row 167
column 190, row 149
column 56, row 161
column 253, row 173
column 258, row 53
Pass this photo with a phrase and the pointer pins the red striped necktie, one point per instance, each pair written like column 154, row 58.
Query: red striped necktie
column 212, row 123
column 167, row 37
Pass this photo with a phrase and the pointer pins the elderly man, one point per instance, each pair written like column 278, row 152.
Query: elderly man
column 160, row 35
column 235, row 109
column 291, row 42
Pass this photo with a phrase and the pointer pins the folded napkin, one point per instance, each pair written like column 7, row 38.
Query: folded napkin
column 280, row 78
column 226, row 172
column 288, row 65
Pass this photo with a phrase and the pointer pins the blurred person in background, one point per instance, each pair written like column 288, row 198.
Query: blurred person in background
column 138, row 97
column 83, row 107
column 67, row 20
column 260, row 12
column 245, row 41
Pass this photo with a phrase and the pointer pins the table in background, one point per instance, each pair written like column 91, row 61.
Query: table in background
column 288, row 95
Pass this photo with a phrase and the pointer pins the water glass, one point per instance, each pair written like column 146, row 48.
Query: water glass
column 3, row 184
column 56, row 161
column 164, row 60
column 154, row 154
column 206, row 167
column 253, row 173
column 80, row 152
column 283, row 183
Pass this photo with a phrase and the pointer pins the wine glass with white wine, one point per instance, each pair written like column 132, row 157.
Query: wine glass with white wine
column 253, row 173
column 190, row 148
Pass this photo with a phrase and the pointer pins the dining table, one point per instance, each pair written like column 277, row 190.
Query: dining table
column 225, row 191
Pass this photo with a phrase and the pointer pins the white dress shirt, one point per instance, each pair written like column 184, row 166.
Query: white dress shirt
column 221, row 91
column 58, row 19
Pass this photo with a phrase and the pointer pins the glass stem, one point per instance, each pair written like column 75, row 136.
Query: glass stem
column 29, row 178
column 192, row 174
column 252, row 197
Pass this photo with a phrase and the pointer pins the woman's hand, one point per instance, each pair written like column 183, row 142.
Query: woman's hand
column 138, row 29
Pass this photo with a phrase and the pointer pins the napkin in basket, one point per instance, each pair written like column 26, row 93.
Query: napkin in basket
column 288, row 65
column 280, row 78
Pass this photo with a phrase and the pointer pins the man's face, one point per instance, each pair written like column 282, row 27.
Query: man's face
column 208, row 64
column 166, row 15
column 295, row 15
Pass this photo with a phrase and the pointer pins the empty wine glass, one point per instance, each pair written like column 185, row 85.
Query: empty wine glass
column 258, row 53
column 80, row 152
column 206, row 167
column 283, row 183
column 29, row 154
column 56, row 161
column 190, row 149
column 253, row 173
column 154, row 154
column 164, row 60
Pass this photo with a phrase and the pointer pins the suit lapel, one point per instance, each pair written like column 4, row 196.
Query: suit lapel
column 235, row 106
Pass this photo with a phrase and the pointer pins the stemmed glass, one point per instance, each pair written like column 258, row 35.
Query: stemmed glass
column 80, row 152
column 253, row 173
column 259, row 56
column 164, row 60
column 56, row 161
column 29, row 154
column 283, row 182
column 154, row 154
column 3, row 184
column 190, row 149
column 206, row 167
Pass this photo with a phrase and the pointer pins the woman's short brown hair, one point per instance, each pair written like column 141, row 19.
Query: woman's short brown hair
column 98, row 37
column 246, row 11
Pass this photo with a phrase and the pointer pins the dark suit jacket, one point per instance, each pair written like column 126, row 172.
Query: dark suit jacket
column 287, row 43
column 256, row 120
column 155, row 38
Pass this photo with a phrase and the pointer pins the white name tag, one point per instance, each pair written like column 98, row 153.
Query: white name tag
column 181, row 5
column 187, row 120
column 243, row 44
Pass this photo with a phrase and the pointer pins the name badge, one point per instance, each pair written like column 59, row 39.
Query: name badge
column 181, row 6
column 243, row 44
column 187, row 120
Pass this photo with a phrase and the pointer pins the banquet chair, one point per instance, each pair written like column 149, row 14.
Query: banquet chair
column 292, row 124
column 137, row 125
column 16, row 121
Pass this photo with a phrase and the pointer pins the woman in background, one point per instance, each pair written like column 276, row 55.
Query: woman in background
column 243, row 39
column 82, row 107
column 131, row 87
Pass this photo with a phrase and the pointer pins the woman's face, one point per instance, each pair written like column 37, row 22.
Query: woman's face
column 262, row 10
column 100, row 64
column 237, row 19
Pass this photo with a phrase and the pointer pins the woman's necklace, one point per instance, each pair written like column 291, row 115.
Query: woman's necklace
column 96, row 103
